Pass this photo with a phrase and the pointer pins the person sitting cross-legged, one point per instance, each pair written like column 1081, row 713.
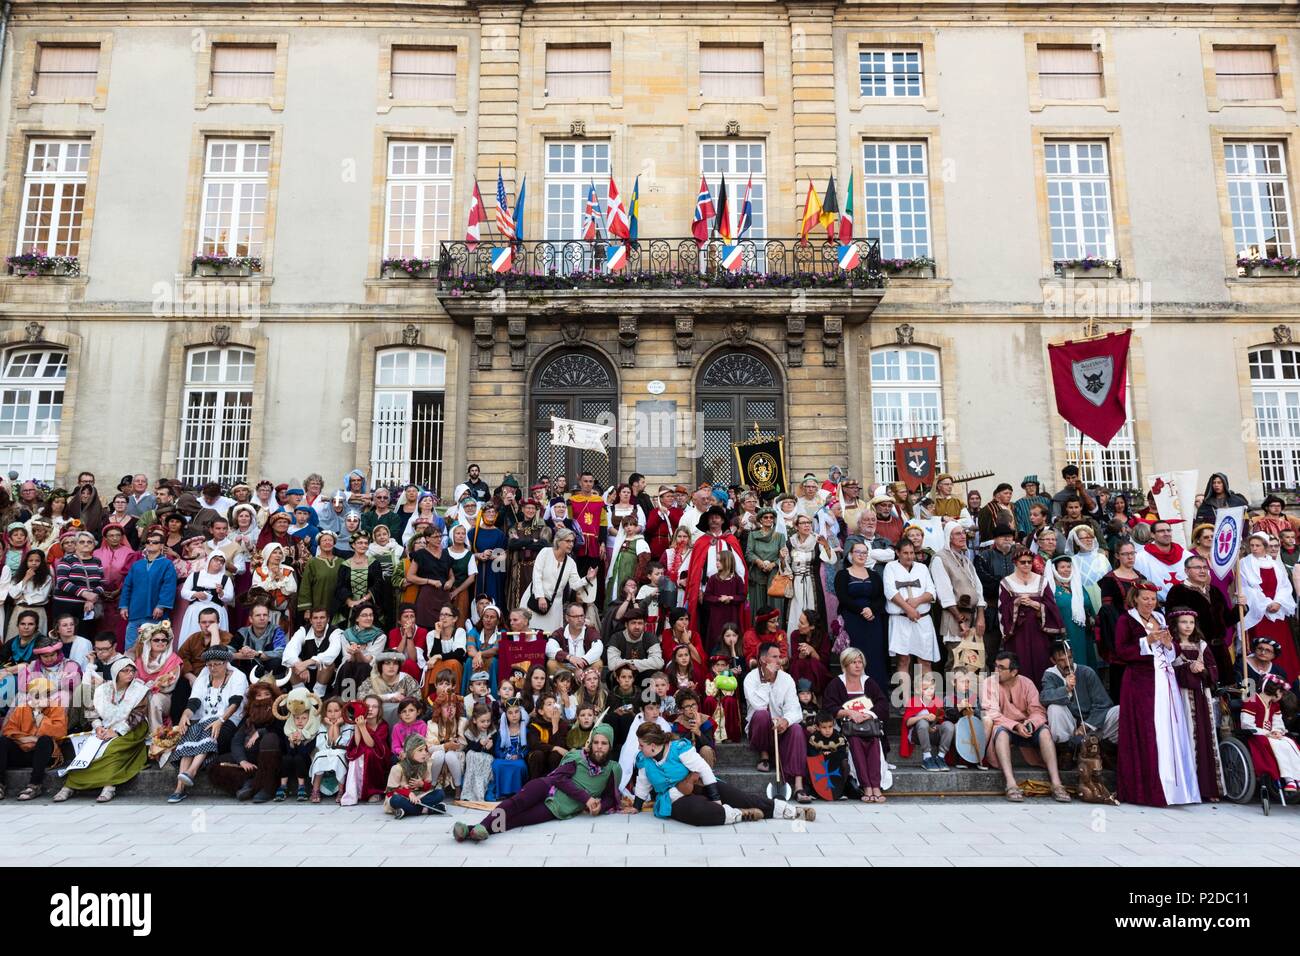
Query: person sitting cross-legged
column 1014, row 715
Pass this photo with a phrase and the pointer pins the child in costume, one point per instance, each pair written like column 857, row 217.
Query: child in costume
column 480, row 742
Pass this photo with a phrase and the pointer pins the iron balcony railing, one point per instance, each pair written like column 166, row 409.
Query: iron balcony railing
column 575, row 263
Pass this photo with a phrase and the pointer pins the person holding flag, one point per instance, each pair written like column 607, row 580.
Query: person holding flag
column 703, row 214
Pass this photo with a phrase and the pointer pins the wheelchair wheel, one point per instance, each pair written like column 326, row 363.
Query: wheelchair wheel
column 1265, row 797
column 1238, row 771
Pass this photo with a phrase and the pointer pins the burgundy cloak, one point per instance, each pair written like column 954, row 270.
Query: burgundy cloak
column 1138, row 773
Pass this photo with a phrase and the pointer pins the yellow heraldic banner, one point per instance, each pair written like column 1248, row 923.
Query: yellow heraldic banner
column 760, row 464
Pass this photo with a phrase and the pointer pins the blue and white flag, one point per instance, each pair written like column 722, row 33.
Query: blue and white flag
column 1228, row 526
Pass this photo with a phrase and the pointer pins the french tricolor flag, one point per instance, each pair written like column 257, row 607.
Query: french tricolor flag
column 617, row 257
column 501, row 257
column 849, row 257
column 733, row 257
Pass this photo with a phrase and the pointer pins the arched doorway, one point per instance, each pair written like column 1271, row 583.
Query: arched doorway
column 580, row 385
column 734, row 391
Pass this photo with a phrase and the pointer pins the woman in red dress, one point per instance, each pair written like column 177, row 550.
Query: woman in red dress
column 810, row 646
column 370, row 746
column 1270, row 601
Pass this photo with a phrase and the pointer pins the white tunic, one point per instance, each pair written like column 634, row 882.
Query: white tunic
column 916, row 638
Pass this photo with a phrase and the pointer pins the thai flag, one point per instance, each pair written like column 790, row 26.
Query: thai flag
column 477, row 216
column 704, row 214
column 505, row 221
column 746, row 210
column 617, row 260
column 615, row 214
column 733, row 257
column 849, row 257
column 501, row 257
column 589, row 214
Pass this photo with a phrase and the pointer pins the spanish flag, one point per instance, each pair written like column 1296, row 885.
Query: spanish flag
column 812, row 212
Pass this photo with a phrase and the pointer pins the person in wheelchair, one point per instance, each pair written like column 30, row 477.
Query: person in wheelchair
column 1272, row 750
column 1262, row 663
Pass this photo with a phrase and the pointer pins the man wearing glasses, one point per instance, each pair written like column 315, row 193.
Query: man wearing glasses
column 149, row 589
column 383, row 514
column 1013, row 714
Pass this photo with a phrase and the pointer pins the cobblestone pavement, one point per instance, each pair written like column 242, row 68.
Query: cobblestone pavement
column 133, row 832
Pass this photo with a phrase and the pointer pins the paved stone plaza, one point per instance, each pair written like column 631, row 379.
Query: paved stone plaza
column 900, row 833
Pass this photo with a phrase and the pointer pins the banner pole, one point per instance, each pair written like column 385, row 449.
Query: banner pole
column 1241, row 630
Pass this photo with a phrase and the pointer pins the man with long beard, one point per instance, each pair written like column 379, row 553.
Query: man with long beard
column 586, row 779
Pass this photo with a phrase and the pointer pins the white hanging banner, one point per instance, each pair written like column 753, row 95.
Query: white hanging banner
column 566, row 433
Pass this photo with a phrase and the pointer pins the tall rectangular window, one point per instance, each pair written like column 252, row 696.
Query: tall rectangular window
column 66, row 72
column 890, row 71
column 54, row 196
column 243, row 71
column 1070, row 73
column 406, row 446
column 731, row 70
column 423, row 73
column 1078, row 200
column 577, row 71
column 896, row 184
column 1275, row 387
column 235, row 183
column 1246, row 73
column 906, row 402
column 418, row 215
column 739, row 161
column 217, row 421
column 1112, row 466
column 32, row 379
column 572, row 168
column 1259, row 200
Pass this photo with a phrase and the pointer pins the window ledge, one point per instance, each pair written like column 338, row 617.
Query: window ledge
column 927, row 102
column 389, row 105
column 1270, row 291
column 231, row 293
column 766, row 102
column 42, row 289
column 413, row 292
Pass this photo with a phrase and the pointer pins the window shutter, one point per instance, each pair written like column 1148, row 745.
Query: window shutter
column 1069, row 73
column 243, row 72
column 424, row 73
column 731, row 71
column 1246, row 74
column 67, row 72
column 577, row 72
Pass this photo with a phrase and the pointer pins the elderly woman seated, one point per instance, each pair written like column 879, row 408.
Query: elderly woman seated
column 389, row 683
column 31, row 735
column 118, row 748
column 211, row 717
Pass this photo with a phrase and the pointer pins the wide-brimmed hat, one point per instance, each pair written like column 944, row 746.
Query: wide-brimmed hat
column 218, row 652
column 703, row 523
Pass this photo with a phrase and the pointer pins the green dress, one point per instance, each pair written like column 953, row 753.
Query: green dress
column 1082, row 646
column 122, row 759
column 319, row 579
column 765, row 548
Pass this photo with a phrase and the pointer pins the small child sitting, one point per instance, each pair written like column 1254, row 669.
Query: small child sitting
column 408, row 722
column 826, row 740
column 808, row 704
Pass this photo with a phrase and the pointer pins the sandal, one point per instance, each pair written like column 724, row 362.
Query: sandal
column 803, row 796
column 63, row 795
column 29, row 792
column 1015, row 795
column 107, row 794
column 764, row 766
column 315, row 794
column 1060, row 795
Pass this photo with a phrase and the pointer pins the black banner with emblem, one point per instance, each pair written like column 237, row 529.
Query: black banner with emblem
column 760, row 464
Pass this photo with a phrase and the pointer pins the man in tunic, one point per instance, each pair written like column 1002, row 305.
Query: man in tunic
column 1217, row 621
column 996, row 513
column 589, row 511
column 1161, row 560
column 661, row 522
column 1033, row 496
column 1013, row 714
column 701, row 502
column 889, row 524
column 702, row 562
column 774, row 718
column 1075, row 697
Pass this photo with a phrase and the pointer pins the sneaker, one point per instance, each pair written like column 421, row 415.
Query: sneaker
column 438, row 809
column 398, row 813
column 245, row 792
column 281, row 794
column 927, row 763
column 178, row 796
column 302, row 793
column 478, row 833
column 941, row 764
column 460, row 831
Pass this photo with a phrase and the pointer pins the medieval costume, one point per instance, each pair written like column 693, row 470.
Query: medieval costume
column 1202, row 703
column 123, row 712
column 725, row 600
column 628, row 556
column 527, row 539
column 1028, row 631
column 661, row 525
column 319, row 582
column 488, row 543
column 869, row 636
column 330, row 761
column 1264, row 581
column 218, row 589
column 702, row 564
column 1211, row 502
column 957, row 589
column 810, row 665
column 1157, row 765
column 1075, row 608
column 907, row 637
column 763, row 546
column 1272, row 751
column 718, row 803
column 371, row 759
column 433, row 566
column 805, row 566
column 866, row 754
column 509, row 765
column 550, row 580
column 1215, row 617
column 1162, row 568
column 257, row 740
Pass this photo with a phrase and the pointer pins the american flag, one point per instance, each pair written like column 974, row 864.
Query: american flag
column 505, row 220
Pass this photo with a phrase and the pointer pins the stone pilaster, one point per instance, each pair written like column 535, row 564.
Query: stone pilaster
column 812, row 65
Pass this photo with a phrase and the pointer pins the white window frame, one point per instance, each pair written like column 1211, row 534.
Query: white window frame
column 1275, row 396
column 427, row 190
column 918, row 411
column 243, row 187
column 572, row 167
column 895, row 200
column 899, row 82
column 32, row 393
column 1252, row 169
column 398, row 376
column 61, row 166
column 1080, row 199
column 229, row 426
column 1114, row 466
column 738, row 158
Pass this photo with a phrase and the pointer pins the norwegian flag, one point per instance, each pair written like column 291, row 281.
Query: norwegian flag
column 733, row 257
column 704, row 213
column 477, row 216
column 501, row 258
column 615, row 214
column 589, row 214
column 505, row 219
column 617, row 260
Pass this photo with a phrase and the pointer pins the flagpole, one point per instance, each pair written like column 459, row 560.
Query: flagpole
column 1241, row 630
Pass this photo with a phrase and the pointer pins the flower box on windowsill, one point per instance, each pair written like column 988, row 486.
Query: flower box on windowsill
column 409, row 269
column 920, row 268
column 1088, row 269
column 1278, row 268
column 38, row 264
column 233, row 267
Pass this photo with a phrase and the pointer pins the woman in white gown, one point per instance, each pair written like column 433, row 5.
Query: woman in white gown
column 553, row 571
column 209, row 587
column 805, row 567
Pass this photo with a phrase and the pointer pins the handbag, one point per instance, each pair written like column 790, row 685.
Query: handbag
column 782, row 584
column 559, row 583
column 352, row 784
column 871, row 727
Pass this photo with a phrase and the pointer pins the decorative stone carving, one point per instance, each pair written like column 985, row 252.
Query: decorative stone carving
column 517, row 334
column 572, row 331
column 221, row 336
column 578, row 128
column 832, row 335
column 1281, row 334
column 794, row 329
column 738, row 333
column 905, row 334
column 733, row 128
column 684, row 336
column 627, row 339
column 410, row 334
column 483, row 339
column 35, row 331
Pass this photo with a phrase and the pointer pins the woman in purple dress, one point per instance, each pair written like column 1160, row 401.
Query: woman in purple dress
column 1031, row 621
column 1198, row 675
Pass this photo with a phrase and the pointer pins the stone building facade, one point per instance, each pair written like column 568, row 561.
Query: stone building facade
column 990, row 146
